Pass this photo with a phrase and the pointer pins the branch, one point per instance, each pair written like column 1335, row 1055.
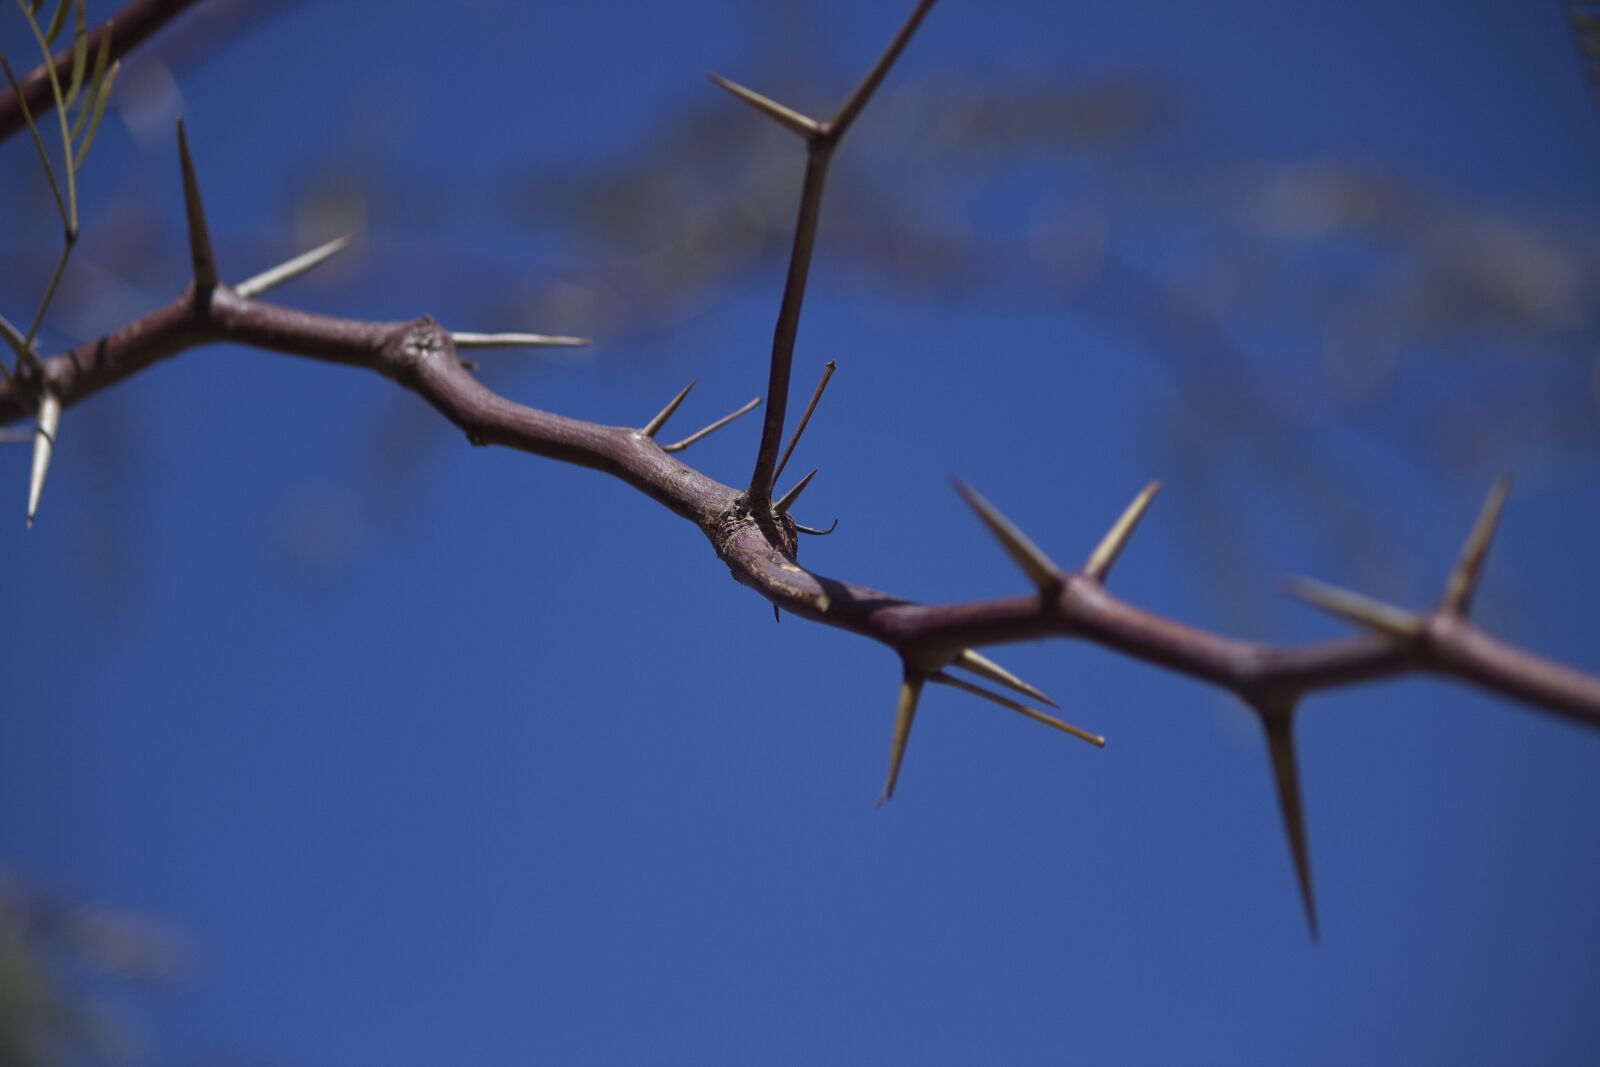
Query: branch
column 821, row 139
column 135, row 23
column 757, row 541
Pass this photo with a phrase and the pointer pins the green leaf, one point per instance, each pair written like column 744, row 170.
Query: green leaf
column 80, row 53
column 102, row 57
column 57, row 21
column 99, row 110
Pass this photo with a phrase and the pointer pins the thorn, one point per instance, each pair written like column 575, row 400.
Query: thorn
column 517, row 340
column 816, row 394
column 205, row 265
column 1034, row 563
column 815, row 532
column 786, row 501
column 653, row 427
column 863, row 92
column 1111, row 545
column 15, row 340
column 904, row 713
column 290, row 269
column 713, row 428
column 1278, row 720
column 1353, row 607
column 1464, row 579
column 1021, row 709
column 775, row 617
column 786, row 117
column 44, row 446
column 988, row 668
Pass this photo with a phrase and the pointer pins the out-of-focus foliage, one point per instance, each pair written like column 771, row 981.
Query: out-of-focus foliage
column 55, row 956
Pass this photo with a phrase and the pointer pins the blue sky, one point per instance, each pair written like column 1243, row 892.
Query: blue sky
column 442, row 755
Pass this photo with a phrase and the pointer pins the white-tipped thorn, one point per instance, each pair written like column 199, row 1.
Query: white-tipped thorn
column 985, row 667
column 1353, row 607
column 786, row 502
column 290, row 269
column 204, row 263
column 653, row 427
column 1027, row 555
column 1111, row 545
column 1021, row 709
column 44, row 445
column 517, row 340
column 786, row 117
column 905, row 713
column 1464, row 578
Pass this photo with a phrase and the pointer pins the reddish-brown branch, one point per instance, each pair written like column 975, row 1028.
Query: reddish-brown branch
column 132, row 25
column 759, row 552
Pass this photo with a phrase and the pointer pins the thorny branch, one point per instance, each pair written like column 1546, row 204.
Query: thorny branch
column 756, row 539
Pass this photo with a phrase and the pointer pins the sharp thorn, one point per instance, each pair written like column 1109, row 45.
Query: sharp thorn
column 786, row 501
column 1111, row 545
column 713, row 428
column 858, row 99
column 985, row 667
column 775, row 616
column 1353, row 607
column 1279, row 725
column 205, row 264
column 44, row 445
column 653, row 427
column 905, row 712
column 816, row 394
column 786, row 117
column 517, row 340
column 1023, row 552
column 1463, row 580
column 1021, row 709
column 290, row 269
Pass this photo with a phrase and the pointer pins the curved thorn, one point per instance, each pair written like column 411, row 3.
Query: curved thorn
column 904, row 714
column 786, row 501
column 290, row 269
column 1278, row 722
column 1463, row 580
column 517, row 340
column 985, row 667
column 44, row 445
column 816, row 394
column 815, row 532
column 653, row 427
column 1353, row 607
column 786, row 117
column 1023, row 552
column 205, row 264
column 1021, row 709
column 713, row 428
column 1111, row 545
